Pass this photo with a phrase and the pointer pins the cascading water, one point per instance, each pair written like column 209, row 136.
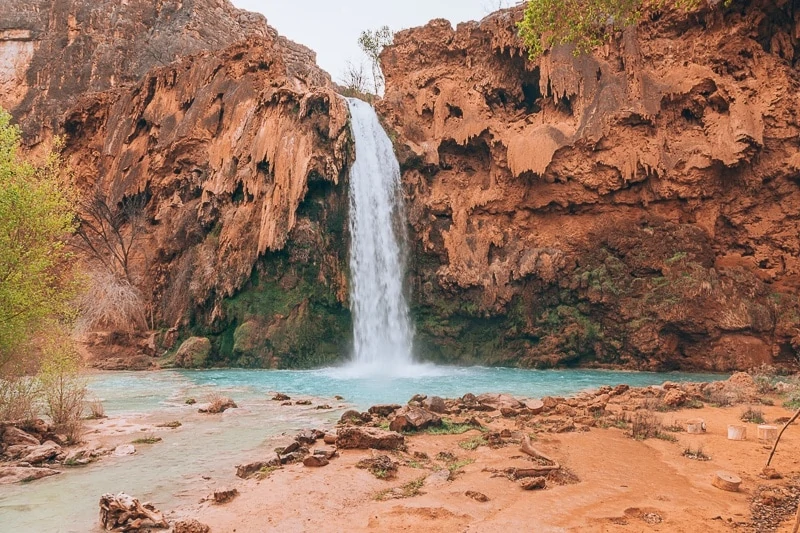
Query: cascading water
column 381, row 328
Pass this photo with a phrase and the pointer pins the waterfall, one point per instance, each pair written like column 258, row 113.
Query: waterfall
column 382, row 331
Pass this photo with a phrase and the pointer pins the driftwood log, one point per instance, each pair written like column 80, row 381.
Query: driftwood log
column 124, row 513
column 533, row 471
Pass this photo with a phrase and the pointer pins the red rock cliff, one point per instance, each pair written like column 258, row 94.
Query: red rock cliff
column 637, row 206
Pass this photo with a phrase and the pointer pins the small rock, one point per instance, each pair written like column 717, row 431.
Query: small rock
column 307, row 437
column 536, row 483
column 279, row 397
column 291, row 448
column 498, row 401
column 286, row 403
column 323, row 407
column 477, row 496
column 383, row 410
column 354, row 417
column 417, row 399
column 535, row 406
column 770, row 473
column 124, row 449
column 303, row 402
column 414, row 418
column 352, row 437
column 39, row 454
column 316, row 461
column 245, row 471
column 675, row 398
column 328, row 453
column 329, row 438
column 190, row 526
column 17, row 474
column 191, row 401
column 225, row 495
column 508, row 412
column 770, row 498
column 438, row 478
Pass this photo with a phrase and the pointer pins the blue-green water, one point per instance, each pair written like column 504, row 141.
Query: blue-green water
column 173, row 472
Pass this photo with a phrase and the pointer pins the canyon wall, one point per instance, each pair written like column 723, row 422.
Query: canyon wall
column 636, row 206
column 233, row 144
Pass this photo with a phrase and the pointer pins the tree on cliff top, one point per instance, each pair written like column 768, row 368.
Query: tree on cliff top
column 372, row 43
column 583, row 23
column 36, row 219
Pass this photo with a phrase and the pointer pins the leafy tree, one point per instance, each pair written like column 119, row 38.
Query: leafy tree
column 36, row 219
column 373, row 43
column 583, row 23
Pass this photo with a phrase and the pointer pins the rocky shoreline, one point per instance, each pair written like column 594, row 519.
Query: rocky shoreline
column 612, row 459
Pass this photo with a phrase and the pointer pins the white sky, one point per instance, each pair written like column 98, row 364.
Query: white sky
column 331, row 27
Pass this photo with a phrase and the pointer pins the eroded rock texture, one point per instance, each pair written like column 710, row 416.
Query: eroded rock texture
column 635, row 206
column 231, row 139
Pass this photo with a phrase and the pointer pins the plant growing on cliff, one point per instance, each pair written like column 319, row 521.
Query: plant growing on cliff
column 583, row 23
column 36, row 220
column 372, row 43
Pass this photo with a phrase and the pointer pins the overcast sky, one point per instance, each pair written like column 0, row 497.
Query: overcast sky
column 331, row 28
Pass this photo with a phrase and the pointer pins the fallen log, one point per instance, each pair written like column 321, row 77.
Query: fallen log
column 527, row 448
column 124, row 513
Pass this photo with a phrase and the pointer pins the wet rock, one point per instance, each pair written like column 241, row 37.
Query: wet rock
column 316, row 461
column 13, row 436
column 435, row 404
column 124, row 449
column 417, row 399
column 247, row 470
column 536, row 483
column 294, row 457
column 279, row 397
column 218, row 405
column 308, row 436
column 477, row 496
column 190, row 526
column 291, row 448
column 414, row 418
column 354, row 437
column 225, row 495
column 17, row 474
column 193, row 353
column 329, row 438
column 383, row 410
column 303, row 402
column 39, row 454
column 191, row 401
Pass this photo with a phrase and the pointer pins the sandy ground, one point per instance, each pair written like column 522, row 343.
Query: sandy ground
column 624, row 485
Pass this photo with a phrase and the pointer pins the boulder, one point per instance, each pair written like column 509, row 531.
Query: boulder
column 124, row 449
column 39, row 454
column 536, row 483
column 498, row 401
column 316, row 461
column 17, row 474
column 190, row 526
column 414, row 419
column 383, row 410
column 329, row 438
column 675, row 398
column 308, row 436
column 435, row 404
column 353, row 437
column 477, row 496
column 193, row 353
column 13, row 436
column 354, row 417
column 247, row 470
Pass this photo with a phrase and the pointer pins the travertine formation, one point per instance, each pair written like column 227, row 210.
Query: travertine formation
column 638, row 205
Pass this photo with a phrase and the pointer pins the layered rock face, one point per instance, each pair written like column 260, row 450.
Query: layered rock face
column 635, row 206
column 236, row 151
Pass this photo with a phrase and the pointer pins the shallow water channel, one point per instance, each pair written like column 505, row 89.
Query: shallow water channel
column 201, row 454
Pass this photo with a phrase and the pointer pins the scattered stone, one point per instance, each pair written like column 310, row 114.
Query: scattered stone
column 224, row 495
column 293, row 447
column 190, row 526
column 508, row 412
column 18, row 474
column 438, row 478
column 536, row 483
column 280, row 397
column 170, row 425
column 498, row 401
column 417, row 399
column 245, row 471
column 675, row 398
column 303, row 402
column 770, row 473
column 329, row 438
column 469, row 398
column 354, row 417
column 13, row 436
column 338, row 398
column 353, row 437
column 477, row 496
column 323, row 407
column 383, row 410
column 39, row 454
column 124, row 513
column 327, row 453
column 218, row 405
column 414, row 418
column 191, row 401
column 286, row 403
column 435, row 404
column 294, row 457
column 81, row 457
column 308, row 436
column 124, row 449
column 381, row 466
column 316, row 461
column 534, row 406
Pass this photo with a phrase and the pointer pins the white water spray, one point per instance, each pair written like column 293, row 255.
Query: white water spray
column 381, row 327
